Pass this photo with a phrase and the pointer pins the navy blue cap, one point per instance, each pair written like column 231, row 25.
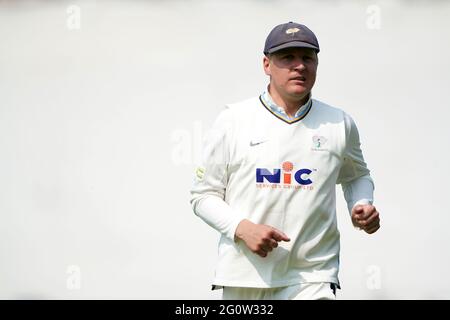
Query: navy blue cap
column 290, row 35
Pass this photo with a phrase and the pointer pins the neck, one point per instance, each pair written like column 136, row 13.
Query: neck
column 289, row 104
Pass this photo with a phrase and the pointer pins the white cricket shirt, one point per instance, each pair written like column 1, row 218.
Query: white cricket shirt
column 260, row 165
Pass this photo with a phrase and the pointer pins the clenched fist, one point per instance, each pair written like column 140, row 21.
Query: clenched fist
column 366, row 217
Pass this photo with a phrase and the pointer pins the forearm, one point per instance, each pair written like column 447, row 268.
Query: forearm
column 217, row 213
column 358, row 191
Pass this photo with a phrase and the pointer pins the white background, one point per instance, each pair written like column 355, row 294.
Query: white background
column 102, row 110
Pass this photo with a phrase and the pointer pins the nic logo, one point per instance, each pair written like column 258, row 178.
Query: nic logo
column 301, row 176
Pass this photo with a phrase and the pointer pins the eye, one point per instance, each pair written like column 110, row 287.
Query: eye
column 287, row 57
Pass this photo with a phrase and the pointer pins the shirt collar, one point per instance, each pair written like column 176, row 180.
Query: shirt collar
column 280, row 111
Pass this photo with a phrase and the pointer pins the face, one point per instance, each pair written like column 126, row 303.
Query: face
column 292, row 72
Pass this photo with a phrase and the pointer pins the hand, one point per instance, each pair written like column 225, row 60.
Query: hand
column 366, row 217
column 259, row 238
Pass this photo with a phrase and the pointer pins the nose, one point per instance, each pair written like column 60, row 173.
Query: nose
column 299, row 65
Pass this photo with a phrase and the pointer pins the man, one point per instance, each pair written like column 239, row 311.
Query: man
column 267, row 182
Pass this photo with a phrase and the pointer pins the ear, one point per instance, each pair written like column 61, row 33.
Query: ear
column 266, row 65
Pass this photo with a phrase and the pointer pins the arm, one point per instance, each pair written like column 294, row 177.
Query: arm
column 211, row 178
column 356, row 182
column 208, row 194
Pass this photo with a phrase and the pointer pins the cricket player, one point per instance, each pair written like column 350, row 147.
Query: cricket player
column 268, row 176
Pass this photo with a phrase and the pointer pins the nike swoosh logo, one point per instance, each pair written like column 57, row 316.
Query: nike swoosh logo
column 253, row 143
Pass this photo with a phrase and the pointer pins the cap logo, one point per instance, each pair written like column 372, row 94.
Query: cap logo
column 292, row 30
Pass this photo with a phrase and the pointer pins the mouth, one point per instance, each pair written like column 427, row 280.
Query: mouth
column 299, row 78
